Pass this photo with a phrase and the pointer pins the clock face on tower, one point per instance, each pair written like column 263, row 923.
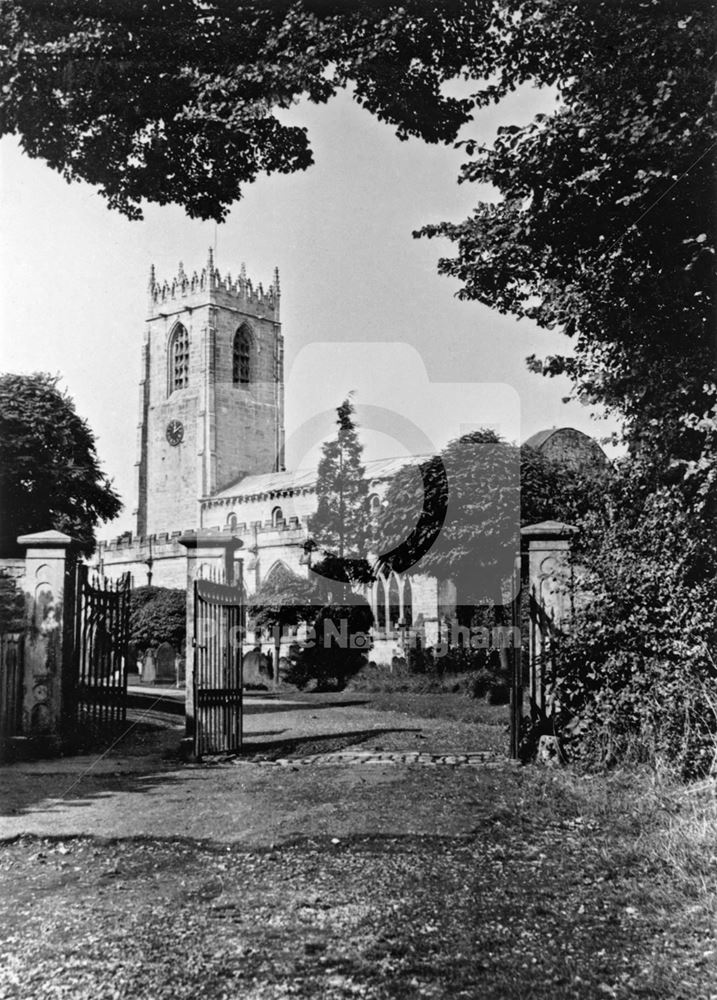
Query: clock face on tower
column 175, row 432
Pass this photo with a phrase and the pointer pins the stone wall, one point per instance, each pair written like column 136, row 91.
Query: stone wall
column 263, row 545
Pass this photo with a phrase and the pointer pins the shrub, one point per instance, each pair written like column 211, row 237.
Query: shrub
column 636, row 674
column 482, row 668
column 12, row 605
column 327, row 662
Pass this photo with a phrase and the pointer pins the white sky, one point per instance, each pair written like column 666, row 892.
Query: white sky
column 362, row 305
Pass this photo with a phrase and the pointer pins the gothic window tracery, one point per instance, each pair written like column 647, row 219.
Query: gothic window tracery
column 380, row 603
column 242, row 356
column 179, row 359
column 394, row 602
column 407, row 603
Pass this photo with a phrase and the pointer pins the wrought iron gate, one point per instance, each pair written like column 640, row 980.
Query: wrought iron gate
column 217, row 684
column 101, row 634
column 11, row 685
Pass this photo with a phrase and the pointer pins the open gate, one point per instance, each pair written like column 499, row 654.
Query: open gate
column 99, row 655
column 217, row 684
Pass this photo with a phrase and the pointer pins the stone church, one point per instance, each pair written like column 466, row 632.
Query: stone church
column 210, row 449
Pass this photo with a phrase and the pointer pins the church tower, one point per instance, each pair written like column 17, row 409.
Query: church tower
column 211, row 393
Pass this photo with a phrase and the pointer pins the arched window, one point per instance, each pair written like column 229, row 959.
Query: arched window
column 279, row 577
column 407, row 603
column 179, row 359
column 277, row 517
column 380, row 604
column 232, row 522
column 394, row 602
column 242, row 356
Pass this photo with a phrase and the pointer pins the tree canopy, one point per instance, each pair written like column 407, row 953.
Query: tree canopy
column 458, row 515
column 550, row 490
column 602, row 227
column 181, row 102
column 157, row 615
column 50, row 475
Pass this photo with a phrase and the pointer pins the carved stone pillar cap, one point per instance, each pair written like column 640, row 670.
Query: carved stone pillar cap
column 47, row 540
column 198, row 540
column 548, row 529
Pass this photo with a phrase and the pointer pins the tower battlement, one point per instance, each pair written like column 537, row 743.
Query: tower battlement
column 209, row 281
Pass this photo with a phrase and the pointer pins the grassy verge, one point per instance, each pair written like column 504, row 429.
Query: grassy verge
column 455, row 707
column 464, row 722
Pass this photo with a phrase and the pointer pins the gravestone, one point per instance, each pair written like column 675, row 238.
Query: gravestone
column 133, row 674
column 149, row 673
column 181, row 667
column 166, row 656
column 549, row 751
column 256, row 668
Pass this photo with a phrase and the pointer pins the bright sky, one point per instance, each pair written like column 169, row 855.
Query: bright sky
column 362, row 305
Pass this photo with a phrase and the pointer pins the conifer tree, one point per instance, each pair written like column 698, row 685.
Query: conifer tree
column 339, row 527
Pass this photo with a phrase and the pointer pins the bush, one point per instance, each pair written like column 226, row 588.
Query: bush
column 327, row 662
column 481, row 669
column 12, row 605
column 499, row 693
column 481, row 682
column 636, row 675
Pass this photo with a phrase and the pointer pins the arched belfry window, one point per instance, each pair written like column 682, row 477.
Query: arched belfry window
column 179, row 358
column 242, row 356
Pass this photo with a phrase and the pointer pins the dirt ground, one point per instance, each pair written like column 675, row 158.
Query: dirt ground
column 138, row 876
column 141, row 788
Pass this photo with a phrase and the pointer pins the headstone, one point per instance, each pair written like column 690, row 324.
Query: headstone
column 256, row 669
column 180, row 665
column 165, row 663
column 133, row 663
column 149, row 672
column 549, row 751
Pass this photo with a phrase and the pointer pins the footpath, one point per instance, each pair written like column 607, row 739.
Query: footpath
column 369, row 761
column 347, row 854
